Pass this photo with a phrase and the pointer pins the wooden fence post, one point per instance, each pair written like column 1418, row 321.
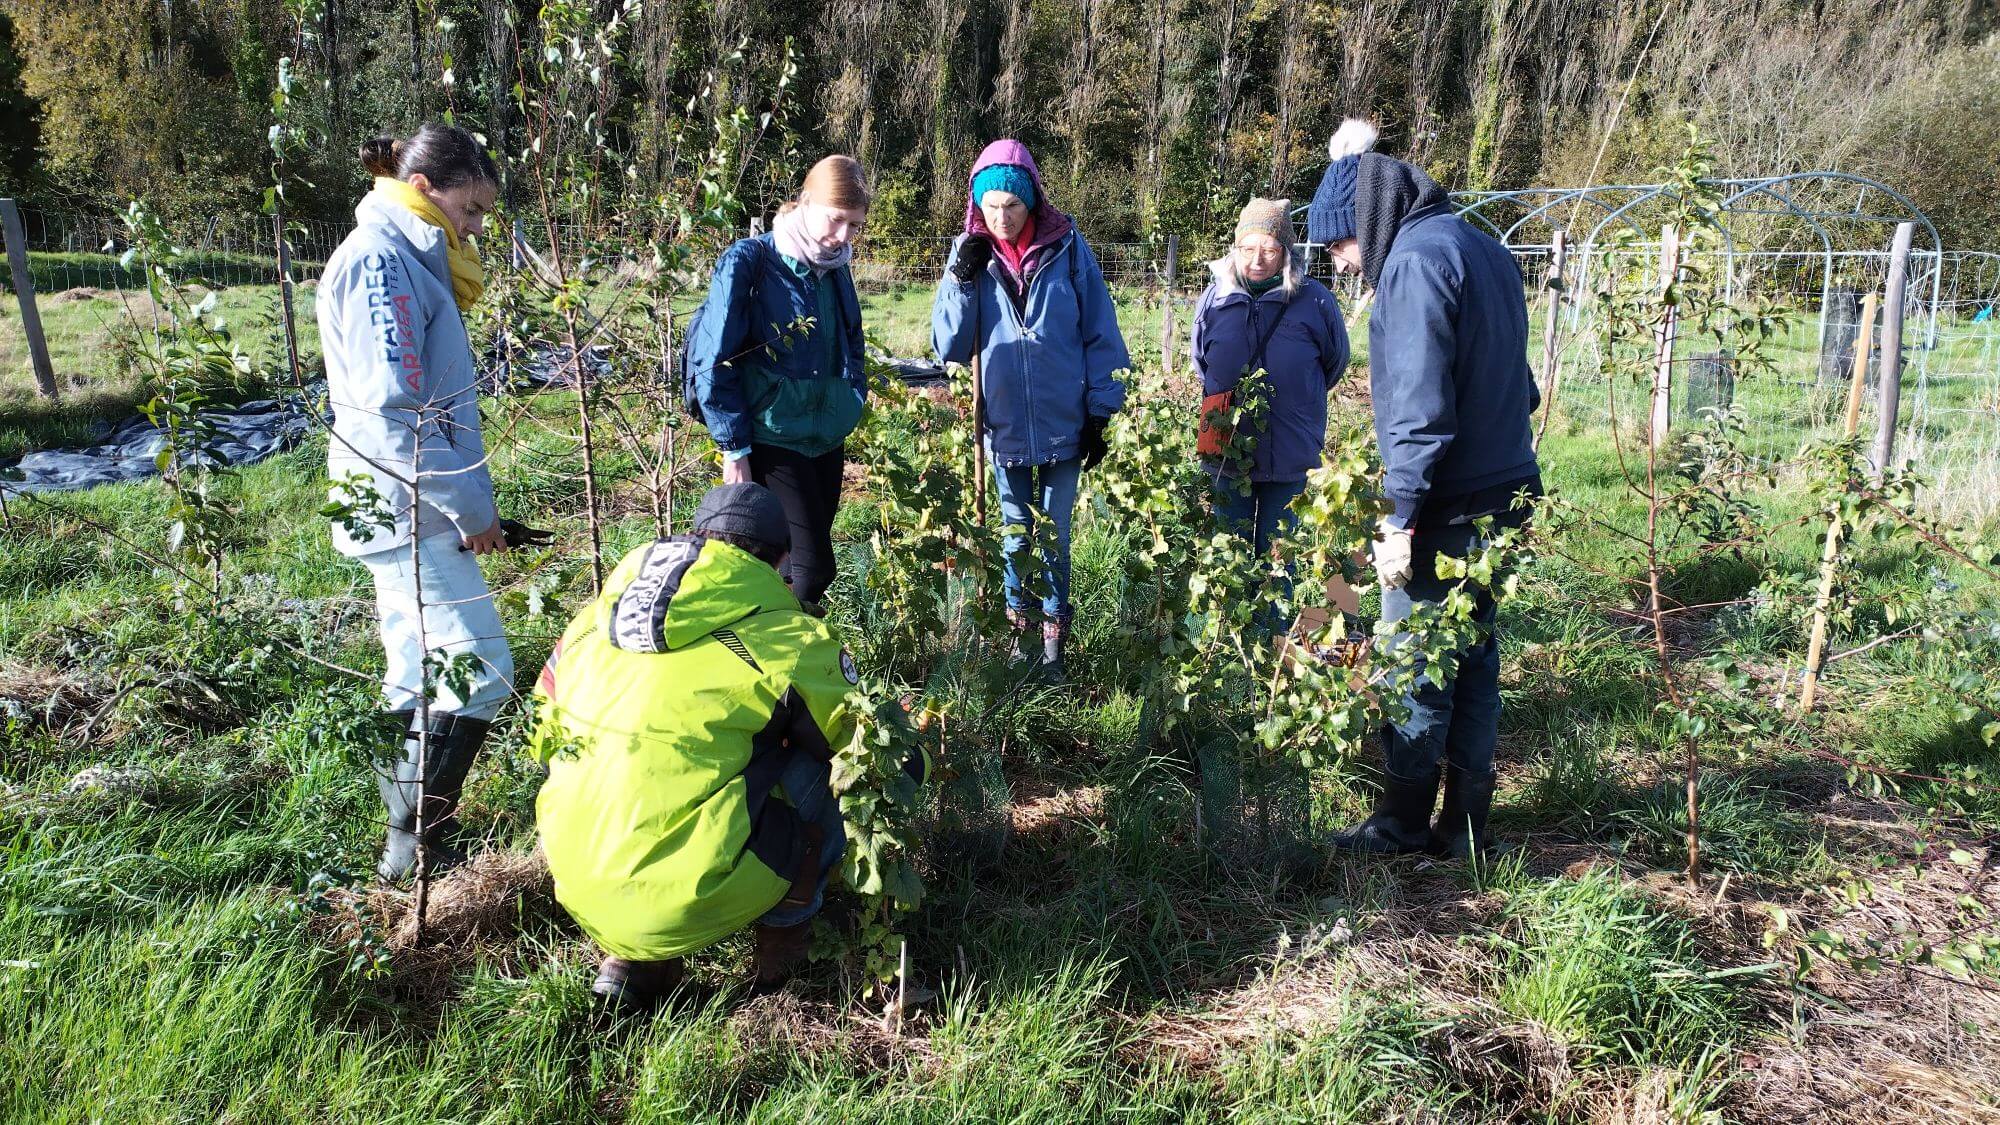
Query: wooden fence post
column 1889, row 385
column 24, row 293
column 1822, row 604
column 1663, row 352
column 1167, row 305
column 1558, row 258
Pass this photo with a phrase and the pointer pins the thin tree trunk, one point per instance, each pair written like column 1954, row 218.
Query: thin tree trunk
column 1281, row 134
column 1229, row 80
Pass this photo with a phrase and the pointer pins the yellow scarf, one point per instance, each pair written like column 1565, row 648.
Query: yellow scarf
column 468, row 278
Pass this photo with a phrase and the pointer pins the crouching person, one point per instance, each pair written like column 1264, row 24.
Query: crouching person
column 1448, row 371
column 688, row 718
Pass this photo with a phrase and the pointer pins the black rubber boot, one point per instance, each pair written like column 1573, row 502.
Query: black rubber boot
column 1055, row 638
column 1401, row 822
column 1461, row 823
column 453, row 744
column 636, row 986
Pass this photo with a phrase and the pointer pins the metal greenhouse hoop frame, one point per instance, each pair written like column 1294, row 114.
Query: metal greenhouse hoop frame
column 1805, row 239
column 1803, row 197
column 1806, row 198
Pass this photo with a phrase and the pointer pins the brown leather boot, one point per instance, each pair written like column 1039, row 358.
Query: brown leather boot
column 636, row 986
column 780, row 952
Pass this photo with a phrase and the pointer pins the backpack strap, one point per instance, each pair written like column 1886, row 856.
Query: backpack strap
column 1264, row 341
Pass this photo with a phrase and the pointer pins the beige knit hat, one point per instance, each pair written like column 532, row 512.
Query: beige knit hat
column 1267, row 216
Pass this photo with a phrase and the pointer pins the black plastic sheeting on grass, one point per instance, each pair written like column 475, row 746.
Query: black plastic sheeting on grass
column 246, row 434
column 253, row 431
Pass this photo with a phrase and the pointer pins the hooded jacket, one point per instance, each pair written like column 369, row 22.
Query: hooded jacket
column 757, row 376
column 401, row 381
column 1050, row 362
column 1447, row 351
column 1306, row 356
column 667, row 714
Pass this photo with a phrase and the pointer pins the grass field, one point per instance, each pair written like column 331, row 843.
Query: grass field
column 182, row 806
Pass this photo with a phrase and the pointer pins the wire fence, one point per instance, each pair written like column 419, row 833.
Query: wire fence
column 70, row 252
column 1949, row 419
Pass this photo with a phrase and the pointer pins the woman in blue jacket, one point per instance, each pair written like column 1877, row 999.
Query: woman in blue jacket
column 776, row 364
column 1023, row 287
column 1262, row 313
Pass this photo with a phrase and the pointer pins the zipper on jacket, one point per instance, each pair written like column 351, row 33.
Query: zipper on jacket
column 1061, row 248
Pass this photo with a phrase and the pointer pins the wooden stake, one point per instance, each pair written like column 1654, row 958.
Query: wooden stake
column 285, row 295
column 1167, row 305
column 978, row 417
column 1663, row 353
column 902, row 981
column 24, row 293
column 1558, row 258
column 1889, row 386
column 1816, row 649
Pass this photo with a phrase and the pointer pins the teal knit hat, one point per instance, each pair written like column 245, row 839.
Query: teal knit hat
column 1010, row 178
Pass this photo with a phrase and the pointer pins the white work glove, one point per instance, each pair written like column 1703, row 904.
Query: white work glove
column 1392, row 556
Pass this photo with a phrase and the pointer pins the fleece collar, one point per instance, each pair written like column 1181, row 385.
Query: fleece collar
column 1223, row 269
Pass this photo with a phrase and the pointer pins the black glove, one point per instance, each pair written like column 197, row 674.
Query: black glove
column 521, row 535
column 971, row 259
column 1094, row 447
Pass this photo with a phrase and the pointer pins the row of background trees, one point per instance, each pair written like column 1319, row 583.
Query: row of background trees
column 1146, row 114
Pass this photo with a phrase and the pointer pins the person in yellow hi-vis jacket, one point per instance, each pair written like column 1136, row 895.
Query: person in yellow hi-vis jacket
column 688, row 719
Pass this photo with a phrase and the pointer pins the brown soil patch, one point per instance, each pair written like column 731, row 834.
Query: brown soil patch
column 65, row 704
column 475, row 912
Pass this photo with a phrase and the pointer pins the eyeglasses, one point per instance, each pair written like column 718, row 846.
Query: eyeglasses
column 1261, row 251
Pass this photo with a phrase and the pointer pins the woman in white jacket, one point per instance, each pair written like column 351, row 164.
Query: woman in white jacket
column 409, row 467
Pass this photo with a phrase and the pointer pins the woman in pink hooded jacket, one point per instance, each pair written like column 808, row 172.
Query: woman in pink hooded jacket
column 1023, row 288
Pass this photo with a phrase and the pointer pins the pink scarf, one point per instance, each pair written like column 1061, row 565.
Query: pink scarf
column 788, row 230
column 1014, row 255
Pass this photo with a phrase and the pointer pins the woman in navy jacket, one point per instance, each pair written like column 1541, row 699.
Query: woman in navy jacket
column 1261, row 313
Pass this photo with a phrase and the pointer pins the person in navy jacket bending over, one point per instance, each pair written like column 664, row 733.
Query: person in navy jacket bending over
column 1448, row 369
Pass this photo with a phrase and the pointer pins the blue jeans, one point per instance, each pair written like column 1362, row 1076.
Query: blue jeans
column 808, row 785
column 1259, row 515
column 1047, row 491
column 1455, row 716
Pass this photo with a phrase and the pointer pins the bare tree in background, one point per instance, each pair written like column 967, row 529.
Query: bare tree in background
column 936, row 86
column 1496, row 46
column 1297, row 66
column 856, row 28
column 1009, row 81
column 659, row 30
column 1158, row 16
column 1430, row 50
column 1229, row 81
column 1367, row 34
column 1085, row 85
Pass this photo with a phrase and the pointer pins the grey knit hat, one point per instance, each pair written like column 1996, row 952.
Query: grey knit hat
column 749, row 510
